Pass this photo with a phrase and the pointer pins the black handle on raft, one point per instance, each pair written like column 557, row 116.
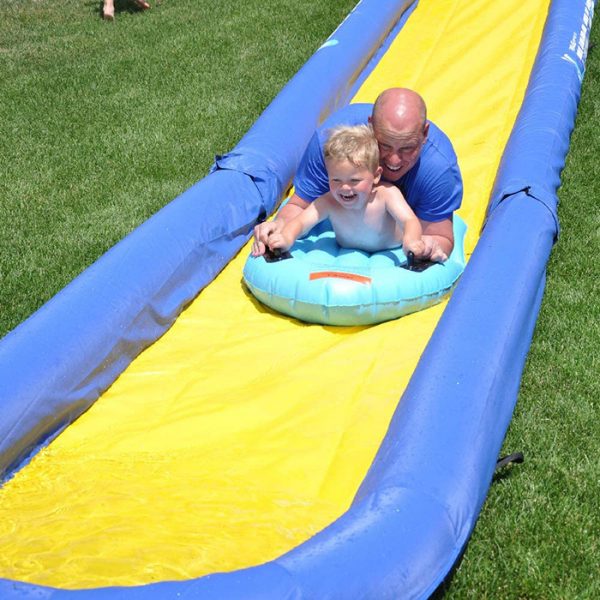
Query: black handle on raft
column 276, row 255
column 417, row 265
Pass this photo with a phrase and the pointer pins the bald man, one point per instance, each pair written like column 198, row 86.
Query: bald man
column 415, row 155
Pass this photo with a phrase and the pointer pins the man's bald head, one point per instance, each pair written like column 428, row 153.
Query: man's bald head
column 400, row 106
column 399, row 121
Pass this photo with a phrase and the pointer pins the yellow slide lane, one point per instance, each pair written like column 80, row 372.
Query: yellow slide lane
column 241, row 433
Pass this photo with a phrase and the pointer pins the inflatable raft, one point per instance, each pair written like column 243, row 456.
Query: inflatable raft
column 320, row 282
column 411, row 496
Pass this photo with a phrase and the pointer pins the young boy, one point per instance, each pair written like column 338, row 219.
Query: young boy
column 365, row 213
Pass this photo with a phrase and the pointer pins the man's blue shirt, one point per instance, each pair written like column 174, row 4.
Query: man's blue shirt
column 433, row 187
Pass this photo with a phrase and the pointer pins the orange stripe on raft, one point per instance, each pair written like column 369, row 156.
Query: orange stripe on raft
column 340, row 275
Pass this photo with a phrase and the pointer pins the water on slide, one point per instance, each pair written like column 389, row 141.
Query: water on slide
column 241, row 433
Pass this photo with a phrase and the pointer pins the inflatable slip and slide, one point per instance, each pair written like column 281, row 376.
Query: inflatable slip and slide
column 164, row 435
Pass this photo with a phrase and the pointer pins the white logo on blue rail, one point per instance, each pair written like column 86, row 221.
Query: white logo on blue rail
column 329, row 44
column 570, row 59
column 580, row 41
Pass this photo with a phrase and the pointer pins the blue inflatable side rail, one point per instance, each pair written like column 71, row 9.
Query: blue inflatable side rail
column 58, row 362
column 419, row 502
column 455, row 412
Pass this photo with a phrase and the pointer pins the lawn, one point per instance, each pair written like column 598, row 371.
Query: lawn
column 102, row 124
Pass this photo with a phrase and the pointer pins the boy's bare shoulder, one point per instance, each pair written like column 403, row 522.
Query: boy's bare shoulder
column 386, row 185
column 388, row 190
column 326, row 199
column 325, row 203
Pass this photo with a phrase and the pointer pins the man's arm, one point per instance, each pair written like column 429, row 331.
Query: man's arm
column 439, row 239
column 262, row 231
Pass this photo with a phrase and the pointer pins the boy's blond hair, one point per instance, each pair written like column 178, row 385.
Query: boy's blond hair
column 354, row 143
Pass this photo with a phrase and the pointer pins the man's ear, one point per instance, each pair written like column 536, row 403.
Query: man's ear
column 426, row 131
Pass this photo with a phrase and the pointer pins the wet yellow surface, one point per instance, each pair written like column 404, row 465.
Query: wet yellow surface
column 241, row 433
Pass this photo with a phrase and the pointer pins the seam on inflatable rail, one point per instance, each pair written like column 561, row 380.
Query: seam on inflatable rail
column 529, row 192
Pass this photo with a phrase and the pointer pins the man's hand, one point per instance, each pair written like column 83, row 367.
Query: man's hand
column 261, row 236
column 432, row 250
column 439, row 239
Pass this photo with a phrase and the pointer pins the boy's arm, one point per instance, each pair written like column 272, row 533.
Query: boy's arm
column 403, row 214
column 413, row 237
column 310, row 182
column 314, row 213
column 292, row 209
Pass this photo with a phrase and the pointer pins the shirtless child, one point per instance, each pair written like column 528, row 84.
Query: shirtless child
column 365, row 213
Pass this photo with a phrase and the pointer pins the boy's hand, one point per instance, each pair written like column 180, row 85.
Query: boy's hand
column 417, row 247
column 262, row 233
column 279, row 241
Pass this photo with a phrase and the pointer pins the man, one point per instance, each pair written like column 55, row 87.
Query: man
column 415, row 155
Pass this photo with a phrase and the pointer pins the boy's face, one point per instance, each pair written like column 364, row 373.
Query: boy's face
column 350, row 185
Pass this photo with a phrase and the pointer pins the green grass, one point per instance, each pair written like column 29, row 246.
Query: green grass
column 101, row 124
